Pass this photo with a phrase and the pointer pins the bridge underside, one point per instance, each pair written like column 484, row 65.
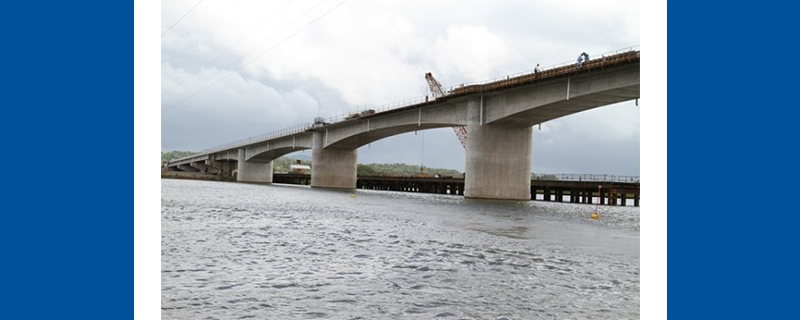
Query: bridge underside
column 574, row 105
column 273, row 154
column 356, row 141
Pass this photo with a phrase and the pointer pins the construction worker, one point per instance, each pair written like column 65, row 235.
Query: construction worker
column 537, row 69
column 585, row 57
column 580, row 59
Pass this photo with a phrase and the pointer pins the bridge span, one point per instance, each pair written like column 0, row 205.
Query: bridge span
column 499, row 116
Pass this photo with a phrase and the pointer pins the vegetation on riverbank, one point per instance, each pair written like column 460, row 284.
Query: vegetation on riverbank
column 175, row 154
column 402, row 169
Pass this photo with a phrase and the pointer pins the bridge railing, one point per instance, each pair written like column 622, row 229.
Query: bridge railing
column 377, row 109
column 586, row 177
column 262, row 137
column 550, row 67
column 254, row 139
column 422, row 99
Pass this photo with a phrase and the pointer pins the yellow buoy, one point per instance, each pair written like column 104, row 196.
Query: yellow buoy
column 352, row 195
column 595, row 216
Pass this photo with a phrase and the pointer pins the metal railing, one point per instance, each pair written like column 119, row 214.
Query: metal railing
column 423, row 99
column 378, row 109
column 383, row 108
column 252, row 140
column 550, row 67
column 585, row 177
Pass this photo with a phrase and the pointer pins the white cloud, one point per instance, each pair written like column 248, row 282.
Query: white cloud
column 470, row 52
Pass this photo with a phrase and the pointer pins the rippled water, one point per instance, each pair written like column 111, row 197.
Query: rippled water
column 238, row 251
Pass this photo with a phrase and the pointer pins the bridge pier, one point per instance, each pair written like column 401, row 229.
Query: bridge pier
column 332, row 168
column 498, row 164
column 203, row 167
column 257, row 171
column 187, row 168
column 225, row 167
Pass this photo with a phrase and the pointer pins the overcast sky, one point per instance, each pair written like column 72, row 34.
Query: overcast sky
column 376, row 52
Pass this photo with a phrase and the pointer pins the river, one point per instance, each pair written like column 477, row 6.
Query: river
column 239, row 251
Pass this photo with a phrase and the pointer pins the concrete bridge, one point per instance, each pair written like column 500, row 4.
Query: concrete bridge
column 498, row 115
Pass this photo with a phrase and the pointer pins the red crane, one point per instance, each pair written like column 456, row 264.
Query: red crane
column 437, row 91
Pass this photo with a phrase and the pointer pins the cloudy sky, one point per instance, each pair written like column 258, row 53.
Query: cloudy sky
column 234, row 69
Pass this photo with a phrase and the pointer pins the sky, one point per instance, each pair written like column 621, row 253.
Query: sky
column 234, row 69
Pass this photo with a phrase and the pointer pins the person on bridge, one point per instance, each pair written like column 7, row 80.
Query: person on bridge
column 580, row 59
column 537, row 69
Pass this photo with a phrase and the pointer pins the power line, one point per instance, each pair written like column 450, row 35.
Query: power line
column 230, row 47
column 181, row 18
column 255, row 58
column 251, row 50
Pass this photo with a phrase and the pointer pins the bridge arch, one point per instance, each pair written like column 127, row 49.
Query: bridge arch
column 547, row 101
column 272, row 150
column 358, row 140
column 275, row 153
column 364, row 131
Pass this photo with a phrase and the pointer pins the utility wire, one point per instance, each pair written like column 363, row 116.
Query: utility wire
column 181, row 18
column 422, row 154
column 251, row 50
column 230, row 47
column 255, row 58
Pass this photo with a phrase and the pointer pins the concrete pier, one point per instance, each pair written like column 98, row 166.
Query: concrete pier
column 202, row 167
column 498, row 164
column 225, row 167
column 255, row 170
column 332, row 168
column 187, row 168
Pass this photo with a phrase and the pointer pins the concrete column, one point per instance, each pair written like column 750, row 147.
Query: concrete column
column 187, row 168
column 332, row 168
column 256, row 171
column 223, row 167
column 203, row 167
column 498, row 164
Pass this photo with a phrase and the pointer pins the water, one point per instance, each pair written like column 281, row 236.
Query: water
column 238, row 251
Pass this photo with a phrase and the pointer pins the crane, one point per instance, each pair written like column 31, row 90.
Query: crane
column 461, row 133
column 437, row 91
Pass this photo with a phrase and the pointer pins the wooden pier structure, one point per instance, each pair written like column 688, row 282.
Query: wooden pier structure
column 587, row 189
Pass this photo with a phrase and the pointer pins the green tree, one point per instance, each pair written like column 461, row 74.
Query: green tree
column 175, row 154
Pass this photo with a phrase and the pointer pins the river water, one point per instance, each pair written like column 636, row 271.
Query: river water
column 239, row 251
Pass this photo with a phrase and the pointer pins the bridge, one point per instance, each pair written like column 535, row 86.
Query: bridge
column 498, row 115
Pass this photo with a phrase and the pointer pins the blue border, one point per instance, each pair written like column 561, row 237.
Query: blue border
column 66, row 99
column 732, row 169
